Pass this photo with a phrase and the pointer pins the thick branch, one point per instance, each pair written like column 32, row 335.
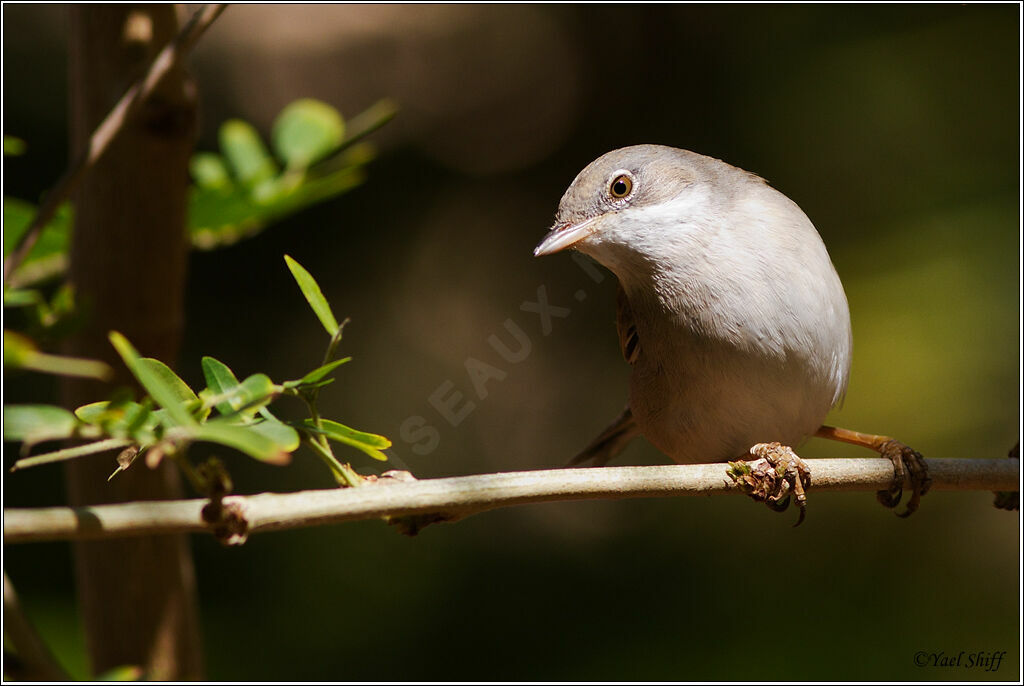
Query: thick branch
column 127, row 265
column 457, row 497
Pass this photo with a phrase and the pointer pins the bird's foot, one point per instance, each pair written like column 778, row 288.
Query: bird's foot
column 773, row 475
column 905, row 461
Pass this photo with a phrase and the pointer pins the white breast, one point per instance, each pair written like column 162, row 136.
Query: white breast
column 743, row 323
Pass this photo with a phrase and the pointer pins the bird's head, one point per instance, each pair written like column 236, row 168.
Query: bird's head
column 635, row 207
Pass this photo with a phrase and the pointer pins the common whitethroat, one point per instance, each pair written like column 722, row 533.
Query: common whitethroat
column 730, row 313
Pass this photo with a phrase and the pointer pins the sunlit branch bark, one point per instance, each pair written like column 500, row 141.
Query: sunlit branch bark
column 415, row 503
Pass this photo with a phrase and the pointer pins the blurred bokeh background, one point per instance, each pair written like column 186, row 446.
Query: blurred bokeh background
column 896, row 129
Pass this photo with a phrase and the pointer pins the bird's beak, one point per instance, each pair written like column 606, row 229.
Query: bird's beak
column 562, row 236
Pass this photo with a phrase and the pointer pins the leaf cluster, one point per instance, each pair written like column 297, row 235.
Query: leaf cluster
column 243, row 188
column 170, row 416
column 237, row 192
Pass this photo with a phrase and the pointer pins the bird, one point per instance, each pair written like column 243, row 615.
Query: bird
column 729, row 311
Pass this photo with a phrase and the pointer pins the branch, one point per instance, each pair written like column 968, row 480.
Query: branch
column 34, row 661
column 418, row 503
column 165, row 61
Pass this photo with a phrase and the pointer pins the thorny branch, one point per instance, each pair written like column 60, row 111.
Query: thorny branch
column 412, row 504
column 165, row 61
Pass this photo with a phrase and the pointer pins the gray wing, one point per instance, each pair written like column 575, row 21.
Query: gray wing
column 629, row 341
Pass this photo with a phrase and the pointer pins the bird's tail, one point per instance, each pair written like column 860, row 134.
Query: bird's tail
column 610, row 442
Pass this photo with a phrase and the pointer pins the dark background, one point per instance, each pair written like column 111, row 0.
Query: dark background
column 894, row 127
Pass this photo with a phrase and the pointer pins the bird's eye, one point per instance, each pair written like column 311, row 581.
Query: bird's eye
column 621, row 186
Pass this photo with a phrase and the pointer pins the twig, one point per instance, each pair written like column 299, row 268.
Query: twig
column 36, row 660
column 71, row 453
column 453, row 498
column 112, row 124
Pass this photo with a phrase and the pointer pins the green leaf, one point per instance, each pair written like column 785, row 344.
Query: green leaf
column 371, row 444
column 13, row 146
column 22, row 297
column 257, row 390
column 306, row 131
column 161, row 417
column 63, row 300
column 267, row 193
column 48, row 256
column 335, row 428
column 172, row 381
column 222, row 216
column 220, row 379
column 244, row 399
column 230, row 396
column 209, row 170
column 17, row 349
column 317, row 374
column 245, row 152
column 243, row 438
column 20, row 352
column 104, row 410
column 55, row 315
column 313, row 189
column 166, row 391
column 121, row 419
column 283, row 435
column 222, row 212
column 314, row 296
column 37, row 423
column 68, row 366
column 122, row 673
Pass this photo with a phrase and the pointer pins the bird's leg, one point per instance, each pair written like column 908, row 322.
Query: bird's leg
column 904, row 460
column 772, row 474
column 609, row 442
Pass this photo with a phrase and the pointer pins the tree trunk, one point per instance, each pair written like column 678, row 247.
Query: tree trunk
column 127, row 265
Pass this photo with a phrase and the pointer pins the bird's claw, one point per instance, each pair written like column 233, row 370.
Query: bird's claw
column 905, row 460
column 774, row 475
